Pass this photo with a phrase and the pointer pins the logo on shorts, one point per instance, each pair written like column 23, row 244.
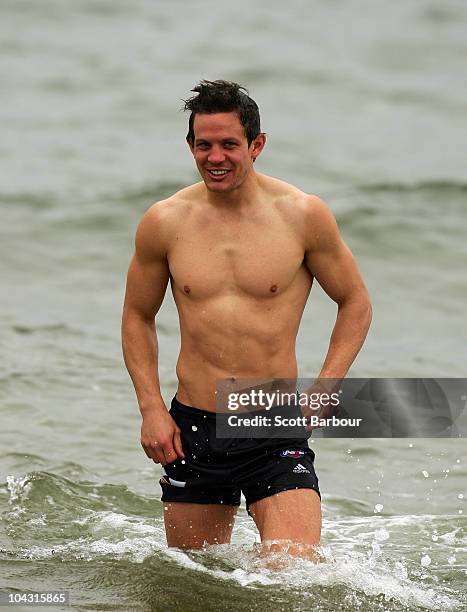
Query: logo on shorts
column 294, row 454
column 300, row 469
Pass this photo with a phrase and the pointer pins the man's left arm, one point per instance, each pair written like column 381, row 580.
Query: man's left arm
column 331, row 262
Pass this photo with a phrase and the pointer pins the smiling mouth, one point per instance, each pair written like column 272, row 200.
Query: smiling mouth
column 217, row 174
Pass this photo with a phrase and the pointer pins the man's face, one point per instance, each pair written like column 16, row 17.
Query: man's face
column 221, row 150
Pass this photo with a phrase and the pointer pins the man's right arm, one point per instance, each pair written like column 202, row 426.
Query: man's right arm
column 147, row 280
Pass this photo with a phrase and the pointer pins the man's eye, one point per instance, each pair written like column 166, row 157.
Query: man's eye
column 230, row 145
column 202, row 145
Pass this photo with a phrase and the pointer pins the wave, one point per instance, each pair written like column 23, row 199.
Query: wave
column 53, row 329
column 432, row 186
column 369, row 562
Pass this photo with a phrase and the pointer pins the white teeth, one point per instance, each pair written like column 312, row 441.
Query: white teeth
column 218, row 172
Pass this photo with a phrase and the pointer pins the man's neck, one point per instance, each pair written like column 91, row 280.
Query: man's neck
column 245, row 195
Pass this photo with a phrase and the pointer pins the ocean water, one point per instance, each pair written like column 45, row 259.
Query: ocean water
column 364, row 104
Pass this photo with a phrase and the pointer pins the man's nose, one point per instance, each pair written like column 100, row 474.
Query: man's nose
column 216, row 155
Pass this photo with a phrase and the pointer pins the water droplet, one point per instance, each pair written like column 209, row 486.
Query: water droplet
column 434, row 537
column 425, row 473
column 451, row 560
column 381, row 535
column 183, row 461
column 425, row 561
column 411, row 445
column 458, row 460
column 194, row 428
column 460, row 496
column 378, row 507
column 460, row 512
column 349, row 451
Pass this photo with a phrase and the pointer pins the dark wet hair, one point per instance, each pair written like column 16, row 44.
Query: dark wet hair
column 223, row 97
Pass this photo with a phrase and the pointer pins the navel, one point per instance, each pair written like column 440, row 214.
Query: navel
column 186, row 289
column 273, row 289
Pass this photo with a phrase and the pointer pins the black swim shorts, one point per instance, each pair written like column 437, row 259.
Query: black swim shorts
column 216, row 470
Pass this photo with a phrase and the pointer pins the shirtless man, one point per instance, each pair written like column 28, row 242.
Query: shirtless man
column 241, row 250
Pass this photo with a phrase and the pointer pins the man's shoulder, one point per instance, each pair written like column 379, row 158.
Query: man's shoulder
column 164, row 215
column 159, row 223
column 296, row 204
column 181, row 202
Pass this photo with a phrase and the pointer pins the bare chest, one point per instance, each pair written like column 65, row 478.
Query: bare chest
column 259, row 261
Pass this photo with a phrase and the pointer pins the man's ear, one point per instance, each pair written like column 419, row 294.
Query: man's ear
column 257, row 145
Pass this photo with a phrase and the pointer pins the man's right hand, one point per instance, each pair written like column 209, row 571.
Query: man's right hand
column 160, row 437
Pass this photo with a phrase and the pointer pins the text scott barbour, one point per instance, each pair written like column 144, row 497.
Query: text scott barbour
column 235, row 420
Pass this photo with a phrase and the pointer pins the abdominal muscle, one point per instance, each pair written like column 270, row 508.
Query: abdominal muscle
column 235, row 337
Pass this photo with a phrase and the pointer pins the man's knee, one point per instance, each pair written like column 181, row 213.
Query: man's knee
column 189, row 525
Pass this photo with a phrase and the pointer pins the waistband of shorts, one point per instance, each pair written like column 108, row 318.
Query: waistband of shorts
column 192, row 411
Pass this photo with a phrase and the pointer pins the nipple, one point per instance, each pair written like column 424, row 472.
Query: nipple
column 186, row 289
column 273, row 289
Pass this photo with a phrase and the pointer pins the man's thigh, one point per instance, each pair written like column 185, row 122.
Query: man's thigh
column 189, row 525
column 293, row 515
